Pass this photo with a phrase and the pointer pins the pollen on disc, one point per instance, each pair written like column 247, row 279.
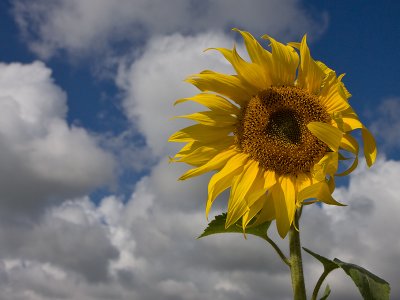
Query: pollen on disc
column 272, row 129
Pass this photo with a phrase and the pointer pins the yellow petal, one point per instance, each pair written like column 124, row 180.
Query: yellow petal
column 302, row 181
column 215, row 163
column 342, row 88
column 285, row 61
column 281, row 210
column 319, row 191
column 248, row 72
column 327, row 165
column 192, row 146
column 332, row 79
column 200, row 132
column 256, row 52
column 237, row 204
column 269, row 179
column 189, row 147
column 334, row 102
column 350, row 169
column 214, row 102
column 203, row 153
column 267, row 212
column 332, row 94
column 331, row 184
column 220, row 181
column 252, row 212
column 349, row 143
column 370, row 150
column 327, row 133
column 295, row 45
column 310, row 74
column 258, row 188
column 288, row 188
column 229, row 85
column 258, row 55
column 211, row 118
column 351, row 122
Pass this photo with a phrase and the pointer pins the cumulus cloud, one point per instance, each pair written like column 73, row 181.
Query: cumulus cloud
column 386, row 125
column 81, row 27
column 130, row 148
column 65, row 237
column 154, row 81
column 364, row 231
column 42, row 158
column 141, row 253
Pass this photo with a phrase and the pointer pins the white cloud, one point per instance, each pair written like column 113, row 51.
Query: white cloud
column 149, row 251
column 131, row 150
column 155, row 80
column 386, row 125
column 86, row 26
column 42, row 158
column 82, row 248
column 364, row 232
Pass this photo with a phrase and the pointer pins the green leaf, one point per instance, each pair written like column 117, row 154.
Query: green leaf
column 218, row 226
column 370, row 286
column 327, row 292
column 329, row 265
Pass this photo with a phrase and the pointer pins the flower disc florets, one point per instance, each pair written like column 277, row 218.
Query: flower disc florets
column 272, row 129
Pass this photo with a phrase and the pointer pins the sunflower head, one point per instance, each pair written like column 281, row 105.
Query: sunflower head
column 274, row 133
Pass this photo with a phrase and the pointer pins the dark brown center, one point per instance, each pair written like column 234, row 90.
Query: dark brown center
column 272, row 129
column 284, row 124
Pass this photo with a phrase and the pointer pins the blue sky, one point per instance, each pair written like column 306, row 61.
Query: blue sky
column 90, row 207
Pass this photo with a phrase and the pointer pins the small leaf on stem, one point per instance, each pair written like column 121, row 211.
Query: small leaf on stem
column 327, row 263
column 370, row 286
column 218, row 226
column 327, row 292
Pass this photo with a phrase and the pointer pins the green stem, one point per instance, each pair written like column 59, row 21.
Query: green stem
column 278, row 250
column 296, row 264
column 319, row 283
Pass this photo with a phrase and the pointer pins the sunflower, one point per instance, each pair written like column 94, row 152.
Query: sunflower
column 275, row 132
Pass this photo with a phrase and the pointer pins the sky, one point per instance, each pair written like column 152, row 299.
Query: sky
column 90, row 208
